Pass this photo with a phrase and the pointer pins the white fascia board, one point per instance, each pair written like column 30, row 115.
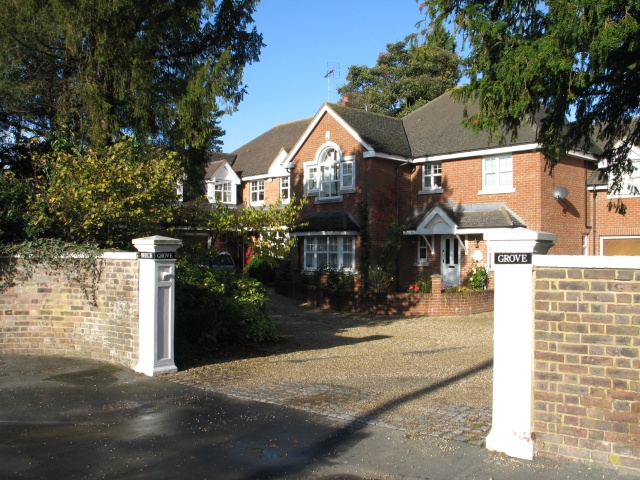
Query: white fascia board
column 583, row 155
column 397, row 158
column 478, row 153
column 277, row 167
column 224, row 172
column 326, row 109
column 262, row 176
column 344, row 233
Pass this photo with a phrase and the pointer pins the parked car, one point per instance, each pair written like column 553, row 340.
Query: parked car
column 223, row 262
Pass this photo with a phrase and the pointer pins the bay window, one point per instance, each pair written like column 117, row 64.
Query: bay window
column 329, row 252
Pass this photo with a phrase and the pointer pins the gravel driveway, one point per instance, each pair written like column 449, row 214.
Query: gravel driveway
column 426, row 375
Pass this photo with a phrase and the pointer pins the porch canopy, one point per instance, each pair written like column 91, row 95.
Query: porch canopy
column 326, row 223
column 458, row 219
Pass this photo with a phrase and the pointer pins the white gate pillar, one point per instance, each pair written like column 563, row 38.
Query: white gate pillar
column 156, row 302
column 512, row 251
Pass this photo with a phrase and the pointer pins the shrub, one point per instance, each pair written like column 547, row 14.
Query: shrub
column 219, row 307
column 339, row 280
column 478, row 276
column 260, row 269
column 421, row 285
column 379, row 281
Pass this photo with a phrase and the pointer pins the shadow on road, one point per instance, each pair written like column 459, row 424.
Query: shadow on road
column 340, row 439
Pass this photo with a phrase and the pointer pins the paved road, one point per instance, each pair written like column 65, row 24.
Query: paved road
column 78, row 419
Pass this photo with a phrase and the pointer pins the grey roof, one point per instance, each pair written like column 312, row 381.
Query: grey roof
column 597, row 179
column 213, row 166
column 480, row 215
column 327, row 222
column 255, row 157
column 385, row 134
column 436, row 129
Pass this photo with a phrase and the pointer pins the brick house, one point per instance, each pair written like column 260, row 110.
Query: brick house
column 443, row 184
column 615, row 217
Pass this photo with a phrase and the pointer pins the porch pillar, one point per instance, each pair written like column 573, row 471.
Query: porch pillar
column 156, row 300
column 512, row 251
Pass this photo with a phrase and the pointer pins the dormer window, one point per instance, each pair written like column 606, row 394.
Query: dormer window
column 330, row 175
column 222, row 192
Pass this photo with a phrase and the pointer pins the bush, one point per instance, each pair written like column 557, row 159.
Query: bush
column 478, row 277
column 379, row 281
column 219, row 307
column 260, row 269
column 341, row 281
column 421, row 285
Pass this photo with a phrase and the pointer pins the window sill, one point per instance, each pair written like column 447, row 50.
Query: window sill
column 258, row 204
column 431, row 191
column 496, row 191
column 329, row 200
column 421, row 263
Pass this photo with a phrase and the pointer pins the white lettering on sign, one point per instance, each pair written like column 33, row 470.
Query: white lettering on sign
column 512, row 258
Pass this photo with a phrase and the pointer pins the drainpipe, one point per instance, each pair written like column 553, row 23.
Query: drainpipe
column 398, row 192
column 595, row 194
column 398, row 219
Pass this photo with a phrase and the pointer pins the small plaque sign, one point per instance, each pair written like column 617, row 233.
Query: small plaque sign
column 512, row 258
column 158, row 255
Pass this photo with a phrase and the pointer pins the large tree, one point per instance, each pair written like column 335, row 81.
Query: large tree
column 160, row 70
column 405, row 77
column 576, row 62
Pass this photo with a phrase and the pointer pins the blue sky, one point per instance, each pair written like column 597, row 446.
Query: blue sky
column 302, row 38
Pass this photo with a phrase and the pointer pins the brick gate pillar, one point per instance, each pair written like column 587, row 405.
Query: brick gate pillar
column 156, row 302
column 512, row 251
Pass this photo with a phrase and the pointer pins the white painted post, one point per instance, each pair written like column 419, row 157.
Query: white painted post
column 513, row 338
column 156, row 304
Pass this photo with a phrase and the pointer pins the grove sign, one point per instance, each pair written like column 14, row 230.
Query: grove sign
column 512, row 258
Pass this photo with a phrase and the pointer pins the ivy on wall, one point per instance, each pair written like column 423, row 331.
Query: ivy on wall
column 80, row 264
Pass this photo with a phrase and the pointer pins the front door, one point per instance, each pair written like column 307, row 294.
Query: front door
column 450, row 254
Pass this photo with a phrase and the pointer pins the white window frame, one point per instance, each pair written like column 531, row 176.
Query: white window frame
column 328, row 179
column 432, row 171
column 425, row 248
column 224, row 189
column 630, row 186
column 285, row 189
column 257, row 192
column 329, row 251
column 503, row 165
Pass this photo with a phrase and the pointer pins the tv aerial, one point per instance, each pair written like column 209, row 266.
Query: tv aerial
column 333, row 70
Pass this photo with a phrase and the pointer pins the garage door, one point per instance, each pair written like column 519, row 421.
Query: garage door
column 621, row 246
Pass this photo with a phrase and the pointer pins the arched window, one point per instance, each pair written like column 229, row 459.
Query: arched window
column 330, row 175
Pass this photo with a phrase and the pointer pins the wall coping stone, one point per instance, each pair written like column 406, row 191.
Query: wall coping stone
column 586, row 261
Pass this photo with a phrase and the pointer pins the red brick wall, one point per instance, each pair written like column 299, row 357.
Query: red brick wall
column 45, row 315
column 407, row 304
column 586, row 392
column 610, row 221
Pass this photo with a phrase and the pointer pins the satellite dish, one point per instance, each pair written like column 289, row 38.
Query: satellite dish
column 560, row 193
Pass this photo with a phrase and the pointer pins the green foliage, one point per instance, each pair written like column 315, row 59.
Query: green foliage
column 405, row 77
column 108, row 196
column 161, row 70
column 478, row 276
column 13, row 214
column 216, row 307
column 364, row 253
column 340, row 280
column 260, row 269
column 379, row 281
column 263, row 229
column 80, row 264
column 573, row 59
column 391, row 249
column 422, row 284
